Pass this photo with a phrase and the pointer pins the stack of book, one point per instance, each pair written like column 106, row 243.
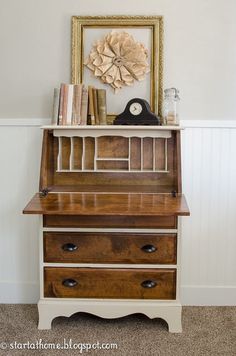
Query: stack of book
column 97, row 106
column 75, row 104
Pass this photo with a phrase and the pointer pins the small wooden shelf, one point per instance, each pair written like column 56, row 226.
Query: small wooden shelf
column 112, row 130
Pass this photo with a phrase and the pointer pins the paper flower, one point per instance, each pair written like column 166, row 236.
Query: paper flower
column 118, row 60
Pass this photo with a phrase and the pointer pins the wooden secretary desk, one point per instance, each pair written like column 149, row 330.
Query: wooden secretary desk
column 110, row 199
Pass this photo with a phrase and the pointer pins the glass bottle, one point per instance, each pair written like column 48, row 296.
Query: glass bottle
column 171, row 107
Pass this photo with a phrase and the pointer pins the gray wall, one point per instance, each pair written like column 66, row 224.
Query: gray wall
column 200, row 52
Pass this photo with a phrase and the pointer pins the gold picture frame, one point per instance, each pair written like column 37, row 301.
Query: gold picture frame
column 90, row 26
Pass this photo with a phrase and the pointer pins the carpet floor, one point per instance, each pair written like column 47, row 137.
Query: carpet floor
column 207, row 331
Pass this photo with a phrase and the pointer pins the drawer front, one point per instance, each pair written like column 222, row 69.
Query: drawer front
column 76, row 247
column 109, row 283
column 161, row 222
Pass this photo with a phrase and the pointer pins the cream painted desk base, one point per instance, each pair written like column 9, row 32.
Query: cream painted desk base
column 50, row 308
column 110, row 309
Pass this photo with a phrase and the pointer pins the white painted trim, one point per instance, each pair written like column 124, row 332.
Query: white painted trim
column 208, row 295
column 164, row 302
column 110, row 170
column 117, row 265
column 112, row 130
column 208, row 124
column 124, row 230
column 41, row 258
column 24, row 122
column 178, row 265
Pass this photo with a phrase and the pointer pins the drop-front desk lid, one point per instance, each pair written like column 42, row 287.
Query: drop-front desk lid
column 110, row 204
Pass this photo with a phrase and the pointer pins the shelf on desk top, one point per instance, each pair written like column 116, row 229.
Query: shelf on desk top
column 112, row 130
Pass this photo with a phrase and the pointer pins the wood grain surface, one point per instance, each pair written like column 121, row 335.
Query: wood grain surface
column 145, row 222
column 111, row 147
column 109, row 283
column 108, row 204
column 84, row 247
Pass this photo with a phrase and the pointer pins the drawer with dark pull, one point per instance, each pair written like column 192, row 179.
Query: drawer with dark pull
column 109, row 283
column 80, row 247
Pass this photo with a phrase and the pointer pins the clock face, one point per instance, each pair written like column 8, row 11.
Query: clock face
column 135, row 109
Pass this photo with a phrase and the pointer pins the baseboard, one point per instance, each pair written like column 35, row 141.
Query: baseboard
column 28, row 293
column 208, row 295
column 19, row 292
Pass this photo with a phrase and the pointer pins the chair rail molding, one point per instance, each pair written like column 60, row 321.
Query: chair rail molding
column 187, row 123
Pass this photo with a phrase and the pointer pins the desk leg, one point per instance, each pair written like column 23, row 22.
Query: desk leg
column 46, row 315
column 174, row 319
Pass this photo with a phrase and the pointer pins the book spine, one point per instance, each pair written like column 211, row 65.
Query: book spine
column 76, row 117
column 69, row 104
column 55, row 108
column 102, row 106
column 65, row 101
column 95, row 105
column 60, row 114
column 91, row 106
column 84, row 106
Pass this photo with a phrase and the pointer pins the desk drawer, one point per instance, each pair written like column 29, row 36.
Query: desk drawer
column 151, row 222
column 81, row 247
column 109, row 283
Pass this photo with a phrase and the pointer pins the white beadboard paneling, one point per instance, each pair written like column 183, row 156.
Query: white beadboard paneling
column 208, row 235
column 20, row 149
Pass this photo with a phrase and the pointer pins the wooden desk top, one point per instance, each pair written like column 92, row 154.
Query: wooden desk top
column 108, row 204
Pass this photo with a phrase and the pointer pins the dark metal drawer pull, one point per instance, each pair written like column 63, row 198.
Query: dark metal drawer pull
column 69, row 247
column 148, row 284
column 69, row 283
column 148, row 248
